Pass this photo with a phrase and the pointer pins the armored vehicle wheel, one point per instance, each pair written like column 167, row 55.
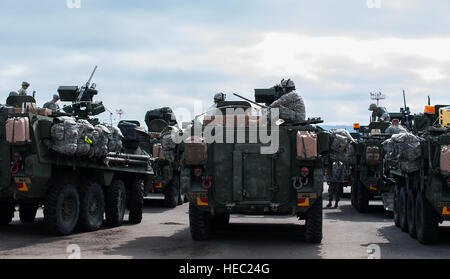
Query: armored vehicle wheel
column 172, row 192
column 410, row 212
column 115, row 203
column 403, row 210
column 200, row 223
column 27, row 212
column 221, row 219
column 92, row 206
column 136, row 201
column 354, row 194
column 6, row 213
column 362, row 198
column 427, row 225
column 61, row 209
column 396, row 206
column 314, row 222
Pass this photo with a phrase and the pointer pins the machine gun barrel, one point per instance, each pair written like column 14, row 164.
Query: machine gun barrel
column 237, row 95
column 86, row 86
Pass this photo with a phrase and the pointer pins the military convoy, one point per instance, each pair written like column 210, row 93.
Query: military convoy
column 65, row 164
column 234, row 160
column 229, row 168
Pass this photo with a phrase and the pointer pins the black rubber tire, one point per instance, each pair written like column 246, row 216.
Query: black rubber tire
column 200, row 223
column 61, row 209
column 136, row 201
column 6, row 213
column 314, row 221
column 354, row 194
column 427, row 223
column 396, row 206
column 172, row 192
column 221, row 219
column 92, row 207
column 403, row 210
column 115, row 203
column 411, row 213
column 362, row 198
column 27, row 212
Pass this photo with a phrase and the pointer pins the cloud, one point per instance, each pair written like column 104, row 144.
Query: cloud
column 179, row 53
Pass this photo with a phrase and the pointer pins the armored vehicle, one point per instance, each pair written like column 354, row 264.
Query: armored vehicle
column 62, row 162
column 231, row 167
column 167, row 156
column 419, row 166
column 368, row 181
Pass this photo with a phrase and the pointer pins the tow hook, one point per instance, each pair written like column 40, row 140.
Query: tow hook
column 204, row 185
column 299, row 182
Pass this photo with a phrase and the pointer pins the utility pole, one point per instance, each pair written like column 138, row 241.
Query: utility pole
column 120, row 112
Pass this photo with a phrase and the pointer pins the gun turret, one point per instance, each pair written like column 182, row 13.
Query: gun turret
column 82, row 105
column 268, row 96
column 406, row 113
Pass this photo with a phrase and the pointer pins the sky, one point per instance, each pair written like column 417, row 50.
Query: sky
column 172, row 53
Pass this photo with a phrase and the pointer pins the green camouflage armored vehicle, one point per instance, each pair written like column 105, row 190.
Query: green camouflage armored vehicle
column 232, row 166
column 167, row 156
column 369, row 180
column 419, row 166
column 62, row 162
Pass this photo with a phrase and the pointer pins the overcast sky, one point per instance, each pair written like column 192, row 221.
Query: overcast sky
column 177, row 53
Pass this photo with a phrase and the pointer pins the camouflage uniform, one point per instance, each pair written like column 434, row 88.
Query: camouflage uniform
column 381, row 113
column 51, row 105
column 22, row 92
column 334, row 192
column 291, row 107
column 392, row 130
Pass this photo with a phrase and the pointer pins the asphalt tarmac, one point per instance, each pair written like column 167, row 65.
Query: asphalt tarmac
column 164, row 233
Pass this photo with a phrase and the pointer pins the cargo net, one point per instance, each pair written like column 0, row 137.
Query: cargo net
column 80, row 138
column 168, row 142
column 403, row 151
column 341, row 146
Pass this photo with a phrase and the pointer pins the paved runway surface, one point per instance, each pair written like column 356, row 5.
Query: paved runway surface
column 164, row 233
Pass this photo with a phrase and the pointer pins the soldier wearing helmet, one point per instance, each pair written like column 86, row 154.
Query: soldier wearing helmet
column 53, row 103
column 395, row 128
column 290, row 104
column 219, row 97
column 23, row 91
column 380, row 113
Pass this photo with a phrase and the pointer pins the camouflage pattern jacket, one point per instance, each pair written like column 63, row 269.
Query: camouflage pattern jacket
column 381, row 113
column 291, row 106
column 393, row 130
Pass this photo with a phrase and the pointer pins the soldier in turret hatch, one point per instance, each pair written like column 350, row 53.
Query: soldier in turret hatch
column 379, row 113
column 290, row 104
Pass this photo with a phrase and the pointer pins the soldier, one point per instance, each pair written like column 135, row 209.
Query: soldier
column 219, row 97
column 23, row 91
column 290, row 104
column 53, row 104
column 380, row 113
column 337, row 176
column 395, row 128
